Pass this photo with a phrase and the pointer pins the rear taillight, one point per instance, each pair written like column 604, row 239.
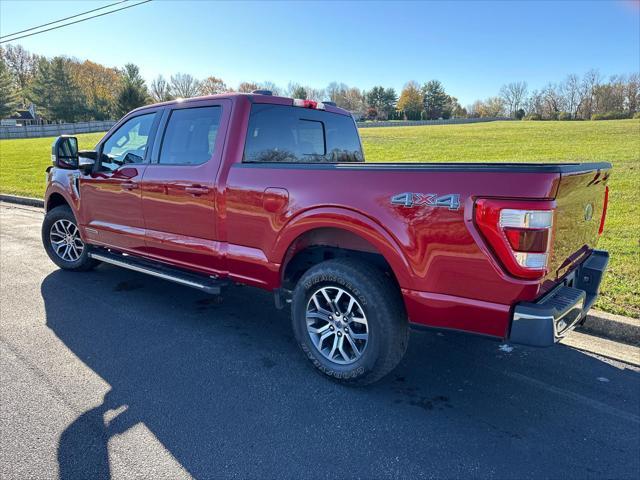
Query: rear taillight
column 519, row 232
column 604, row 210
column 297, row 102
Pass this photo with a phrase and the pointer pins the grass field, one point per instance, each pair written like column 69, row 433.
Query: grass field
column 22, row 163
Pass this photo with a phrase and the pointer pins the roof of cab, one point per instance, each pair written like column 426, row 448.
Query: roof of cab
column 252, row 97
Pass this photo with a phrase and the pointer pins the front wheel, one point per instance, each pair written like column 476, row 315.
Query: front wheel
column 349, row 319
column 62, row 242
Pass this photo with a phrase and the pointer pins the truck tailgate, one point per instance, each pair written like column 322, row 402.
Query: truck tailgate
column 580, row 204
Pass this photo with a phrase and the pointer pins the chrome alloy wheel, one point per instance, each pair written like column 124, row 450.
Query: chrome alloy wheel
column 337, row 325
column 65, row 240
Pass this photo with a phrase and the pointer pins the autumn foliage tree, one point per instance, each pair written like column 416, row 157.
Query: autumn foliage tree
column 410, row 101
column 247, row 87
column 213, row 86
column 96, row 83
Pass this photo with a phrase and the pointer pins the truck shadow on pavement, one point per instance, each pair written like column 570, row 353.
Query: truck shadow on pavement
column 224, row 389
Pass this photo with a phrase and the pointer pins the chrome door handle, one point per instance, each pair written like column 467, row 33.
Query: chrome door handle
column 156, row 189
column 129, row 185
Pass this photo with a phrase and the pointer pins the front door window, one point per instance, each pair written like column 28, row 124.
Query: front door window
column 128, row 144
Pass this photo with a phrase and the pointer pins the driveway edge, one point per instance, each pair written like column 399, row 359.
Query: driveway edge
column 613, row 327
column 31, row 202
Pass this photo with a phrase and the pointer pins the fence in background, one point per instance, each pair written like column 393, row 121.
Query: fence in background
column 54, row 129
column 414, row 123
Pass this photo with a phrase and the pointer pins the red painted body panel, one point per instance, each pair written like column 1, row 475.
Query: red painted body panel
column 247, row 217
column 112, row 208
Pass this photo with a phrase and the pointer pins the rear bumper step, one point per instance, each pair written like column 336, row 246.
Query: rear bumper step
column 549, row 319
column 200, row 282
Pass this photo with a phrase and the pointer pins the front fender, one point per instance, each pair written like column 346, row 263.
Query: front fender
column 351, row 221
column 62, row 182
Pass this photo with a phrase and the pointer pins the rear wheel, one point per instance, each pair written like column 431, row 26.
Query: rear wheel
column 349, row 320
column 62, row 242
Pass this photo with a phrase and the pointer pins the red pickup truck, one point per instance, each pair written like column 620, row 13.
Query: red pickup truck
column 273, row 192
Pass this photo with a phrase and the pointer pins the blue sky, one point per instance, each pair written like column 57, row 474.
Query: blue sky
column 472, row 47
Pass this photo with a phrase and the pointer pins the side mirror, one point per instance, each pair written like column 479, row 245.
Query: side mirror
column 64, row 152
column 87, row 160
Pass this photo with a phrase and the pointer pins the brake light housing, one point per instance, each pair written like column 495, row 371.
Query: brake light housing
column 519, row 233
column 604, row 210
column 298, row 102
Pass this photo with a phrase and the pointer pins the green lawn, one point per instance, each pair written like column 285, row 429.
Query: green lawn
column 24, row 160
column 22, row 163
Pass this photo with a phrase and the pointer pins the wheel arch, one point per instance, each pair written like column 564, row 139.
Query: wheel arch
column 329, row 232
column 54, row 200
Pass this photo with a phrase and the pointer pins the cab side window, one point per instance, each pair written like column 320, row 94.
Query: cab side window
column 280, row 133
column 190, row 136
column 128, row 143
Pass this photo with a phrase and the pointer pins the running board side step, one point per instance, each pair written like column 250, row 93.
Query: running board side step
column 203, row 283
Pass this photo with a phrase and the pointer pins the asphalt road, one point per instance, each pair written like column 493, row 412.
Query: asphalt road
column 112, row 374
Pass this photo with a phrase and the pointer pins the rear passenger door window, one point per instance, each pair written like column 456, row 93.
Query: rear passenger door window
column 190, row 136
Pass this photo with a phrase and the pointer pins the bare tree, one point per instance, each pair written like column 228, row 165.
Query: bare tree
column 160, row 90
column 590, row 82
column 291, row 89
column 491, row 107
column 335, row 91
column 514, row 95
column 316, row 94
column 21, row 64
column 354, row 101
column 573, row 94
column 552, row 101
column 535, row 103
column 633, row 93
column 213, row 86
column 184, row 85
column 611, row 96
column 271, row 86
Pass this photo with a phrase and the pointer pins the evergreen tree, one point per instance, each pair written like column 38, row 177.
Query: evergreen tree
column 299, row 92
column 382, row 100
column 55, row 92
column 435, row 100
column 133, row 91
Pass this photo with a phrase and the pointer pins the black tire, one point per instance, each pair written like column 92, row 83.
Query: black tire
column 63, row 213
column 378, row 298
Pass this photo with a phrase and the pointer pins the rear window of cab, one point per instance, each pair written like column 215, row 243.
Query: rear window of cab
column 287, row 134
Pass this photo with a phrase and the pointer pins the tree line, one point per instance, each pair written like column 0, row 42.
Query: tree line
column 69, row 90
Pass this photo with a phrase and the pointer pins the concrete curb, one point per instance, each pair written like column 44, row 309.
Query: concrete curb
column 606, row 325
column 613, row 327
column 31, row 202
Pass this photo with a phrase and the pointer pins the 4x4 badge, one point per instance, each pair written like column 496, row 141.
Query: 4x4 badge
column 408, row 199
